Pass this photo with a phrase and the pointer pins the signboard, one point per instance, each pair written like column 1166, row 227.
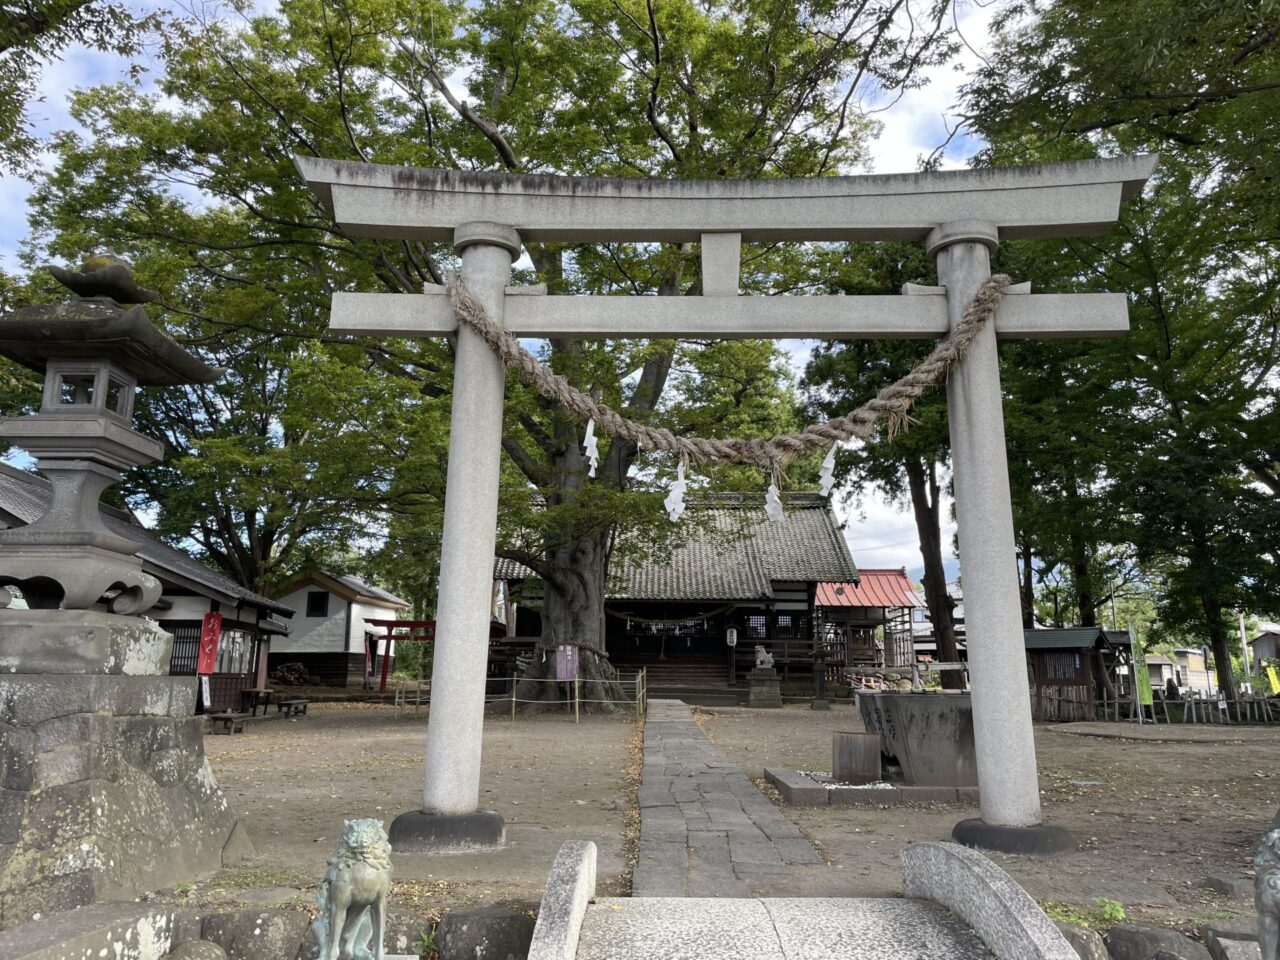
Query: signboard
column 566, row 662
column 1141, row 677
column 1274, row 678
column 210, row 633
column 205, row 698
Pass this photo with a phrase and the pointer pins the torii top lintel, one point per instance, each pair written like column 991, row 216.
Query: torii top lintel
column 1051, row 200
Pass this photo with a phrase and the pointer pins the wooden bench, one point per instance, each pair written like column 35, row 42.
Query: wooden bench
column 291, row 708
column 230, row 722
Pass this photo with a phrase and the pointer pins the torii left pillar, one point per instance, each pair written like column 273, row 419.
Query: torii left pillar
column 450, row 818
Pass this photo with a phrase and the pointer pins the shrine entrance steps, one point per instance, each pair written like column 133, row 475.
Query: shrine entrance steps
column 694, row 681
column 957, row 904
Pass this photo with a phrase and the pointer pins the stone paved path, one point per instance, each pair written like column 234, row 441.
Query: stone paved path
column 705, row 829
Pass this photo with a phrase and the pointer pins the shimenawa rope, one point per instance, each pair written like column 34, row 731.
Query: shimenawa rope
column 891, row 405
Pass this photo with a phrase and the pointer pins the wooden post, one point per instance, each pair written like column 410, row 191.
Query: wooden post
column 576, row 698
column 386, row 657
column 513, row 698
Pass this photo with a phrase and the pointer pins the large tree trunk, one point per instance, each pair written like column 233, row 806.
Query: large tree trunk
column 1218, row 641
column 574, row 561
column 1081, row 565
column 923, row 483
column 572, row 600
column 1081, row 572
column 1027, row 585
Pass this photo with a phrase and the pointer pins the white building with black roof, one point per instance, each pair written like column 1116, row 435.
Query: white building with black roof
column 330, row 634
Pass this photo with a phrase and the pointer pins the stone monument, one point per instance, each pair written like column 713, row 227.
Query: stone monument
column 106, row 789
column 764, row 688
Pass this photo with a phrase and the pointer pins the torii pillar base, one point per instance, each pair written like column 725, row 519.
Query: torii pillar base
column 419, row 832
column 1042, row 840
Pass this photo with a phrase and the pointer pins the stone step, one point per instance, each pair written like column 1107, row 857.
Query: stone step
column 956, row 904
column 694, row 928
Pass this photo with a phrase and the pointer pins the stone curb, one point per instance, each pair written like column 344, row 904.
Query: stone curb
column 798, row 790
column 1010, row 923
column 570, row 887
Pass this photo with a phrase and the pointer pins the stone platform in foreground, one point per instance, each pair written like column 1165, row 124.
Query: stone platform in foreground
column 774, row 929
column 705, row 829
column 956, row 904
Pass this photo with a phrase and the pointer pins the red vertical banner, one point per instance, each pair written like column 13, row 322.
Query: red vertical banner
column 210, row 633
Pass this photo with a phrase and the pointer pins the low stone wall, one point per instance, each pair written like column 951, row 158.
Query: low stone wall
column 133, row 931
column 141, row 931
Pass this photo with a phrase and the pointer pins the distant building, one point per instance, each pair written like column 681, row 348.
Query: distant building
column 871, row 622
column 1070, row 669
column 1191, row 671
column 330, row 636
column 737, row 571
column 1160, row 670
column 922, row 636
column 250, row 622
column 1265, row 645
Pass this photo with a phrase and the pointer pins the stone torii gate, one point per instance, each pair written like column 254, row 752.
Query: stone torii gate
column 961, row 217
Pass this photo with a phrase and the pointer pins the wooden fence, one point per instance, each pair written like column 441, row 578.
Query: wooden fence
column 1199, row 710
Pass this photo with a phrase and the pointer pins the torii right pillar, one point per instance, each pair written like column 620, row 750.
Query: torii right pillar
column 1004, row 741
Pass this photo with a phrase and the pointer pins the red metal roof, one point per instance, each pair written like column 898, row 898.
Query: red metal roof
column 878, row 588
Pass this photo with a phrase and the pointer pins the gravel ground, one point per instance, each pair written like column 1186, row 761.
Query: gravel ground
column 295, row 781
column 1153, row 818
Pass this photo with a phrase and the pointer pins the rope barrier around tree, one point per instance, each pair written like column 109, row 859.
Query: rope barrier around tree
column 890, row 407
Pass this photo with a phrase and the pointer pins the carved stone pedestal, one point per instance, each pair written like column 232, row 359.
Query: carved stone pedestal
column 765, row 689
column 105, row 791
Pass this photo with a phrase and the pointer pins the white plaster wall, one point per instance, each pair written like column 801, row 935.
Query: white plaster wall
column 361, row 611
column 313, row 634
column 185, row 608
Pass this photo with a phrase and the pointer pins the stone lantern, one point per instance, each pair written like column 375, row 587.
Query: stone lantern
column 94, row 352
column 107, row 791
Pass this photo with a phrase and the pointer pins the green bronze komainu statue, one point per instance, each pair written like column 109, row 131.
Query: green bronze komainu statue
column 353, row 895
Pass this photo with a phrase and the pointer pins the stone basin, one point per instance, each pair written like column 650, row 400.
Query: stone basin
column 930, row 734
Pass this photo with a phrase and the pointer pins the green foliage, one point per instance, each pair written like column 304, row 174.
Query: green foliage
column 317, row 450
column 1151, row 461
column 34, row 32
column 426, row 946
column 1106, row 915
column 1111, row 911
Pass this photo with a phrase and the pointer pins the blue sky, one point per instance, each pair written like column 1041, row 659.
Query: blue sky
column 880, row 533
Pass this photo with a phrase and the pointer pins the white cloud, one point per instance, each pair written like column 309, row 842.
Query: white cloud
column 882, row 534
column 919, row 123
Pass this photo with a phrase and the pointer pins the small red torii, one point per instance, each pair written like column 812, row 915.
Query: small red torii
column 422, row 631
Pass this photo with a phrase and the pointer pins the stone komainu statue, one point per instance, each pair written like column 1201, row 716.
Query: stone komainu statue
column 353, row 894
column 764, row 659
column 1266, row 895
